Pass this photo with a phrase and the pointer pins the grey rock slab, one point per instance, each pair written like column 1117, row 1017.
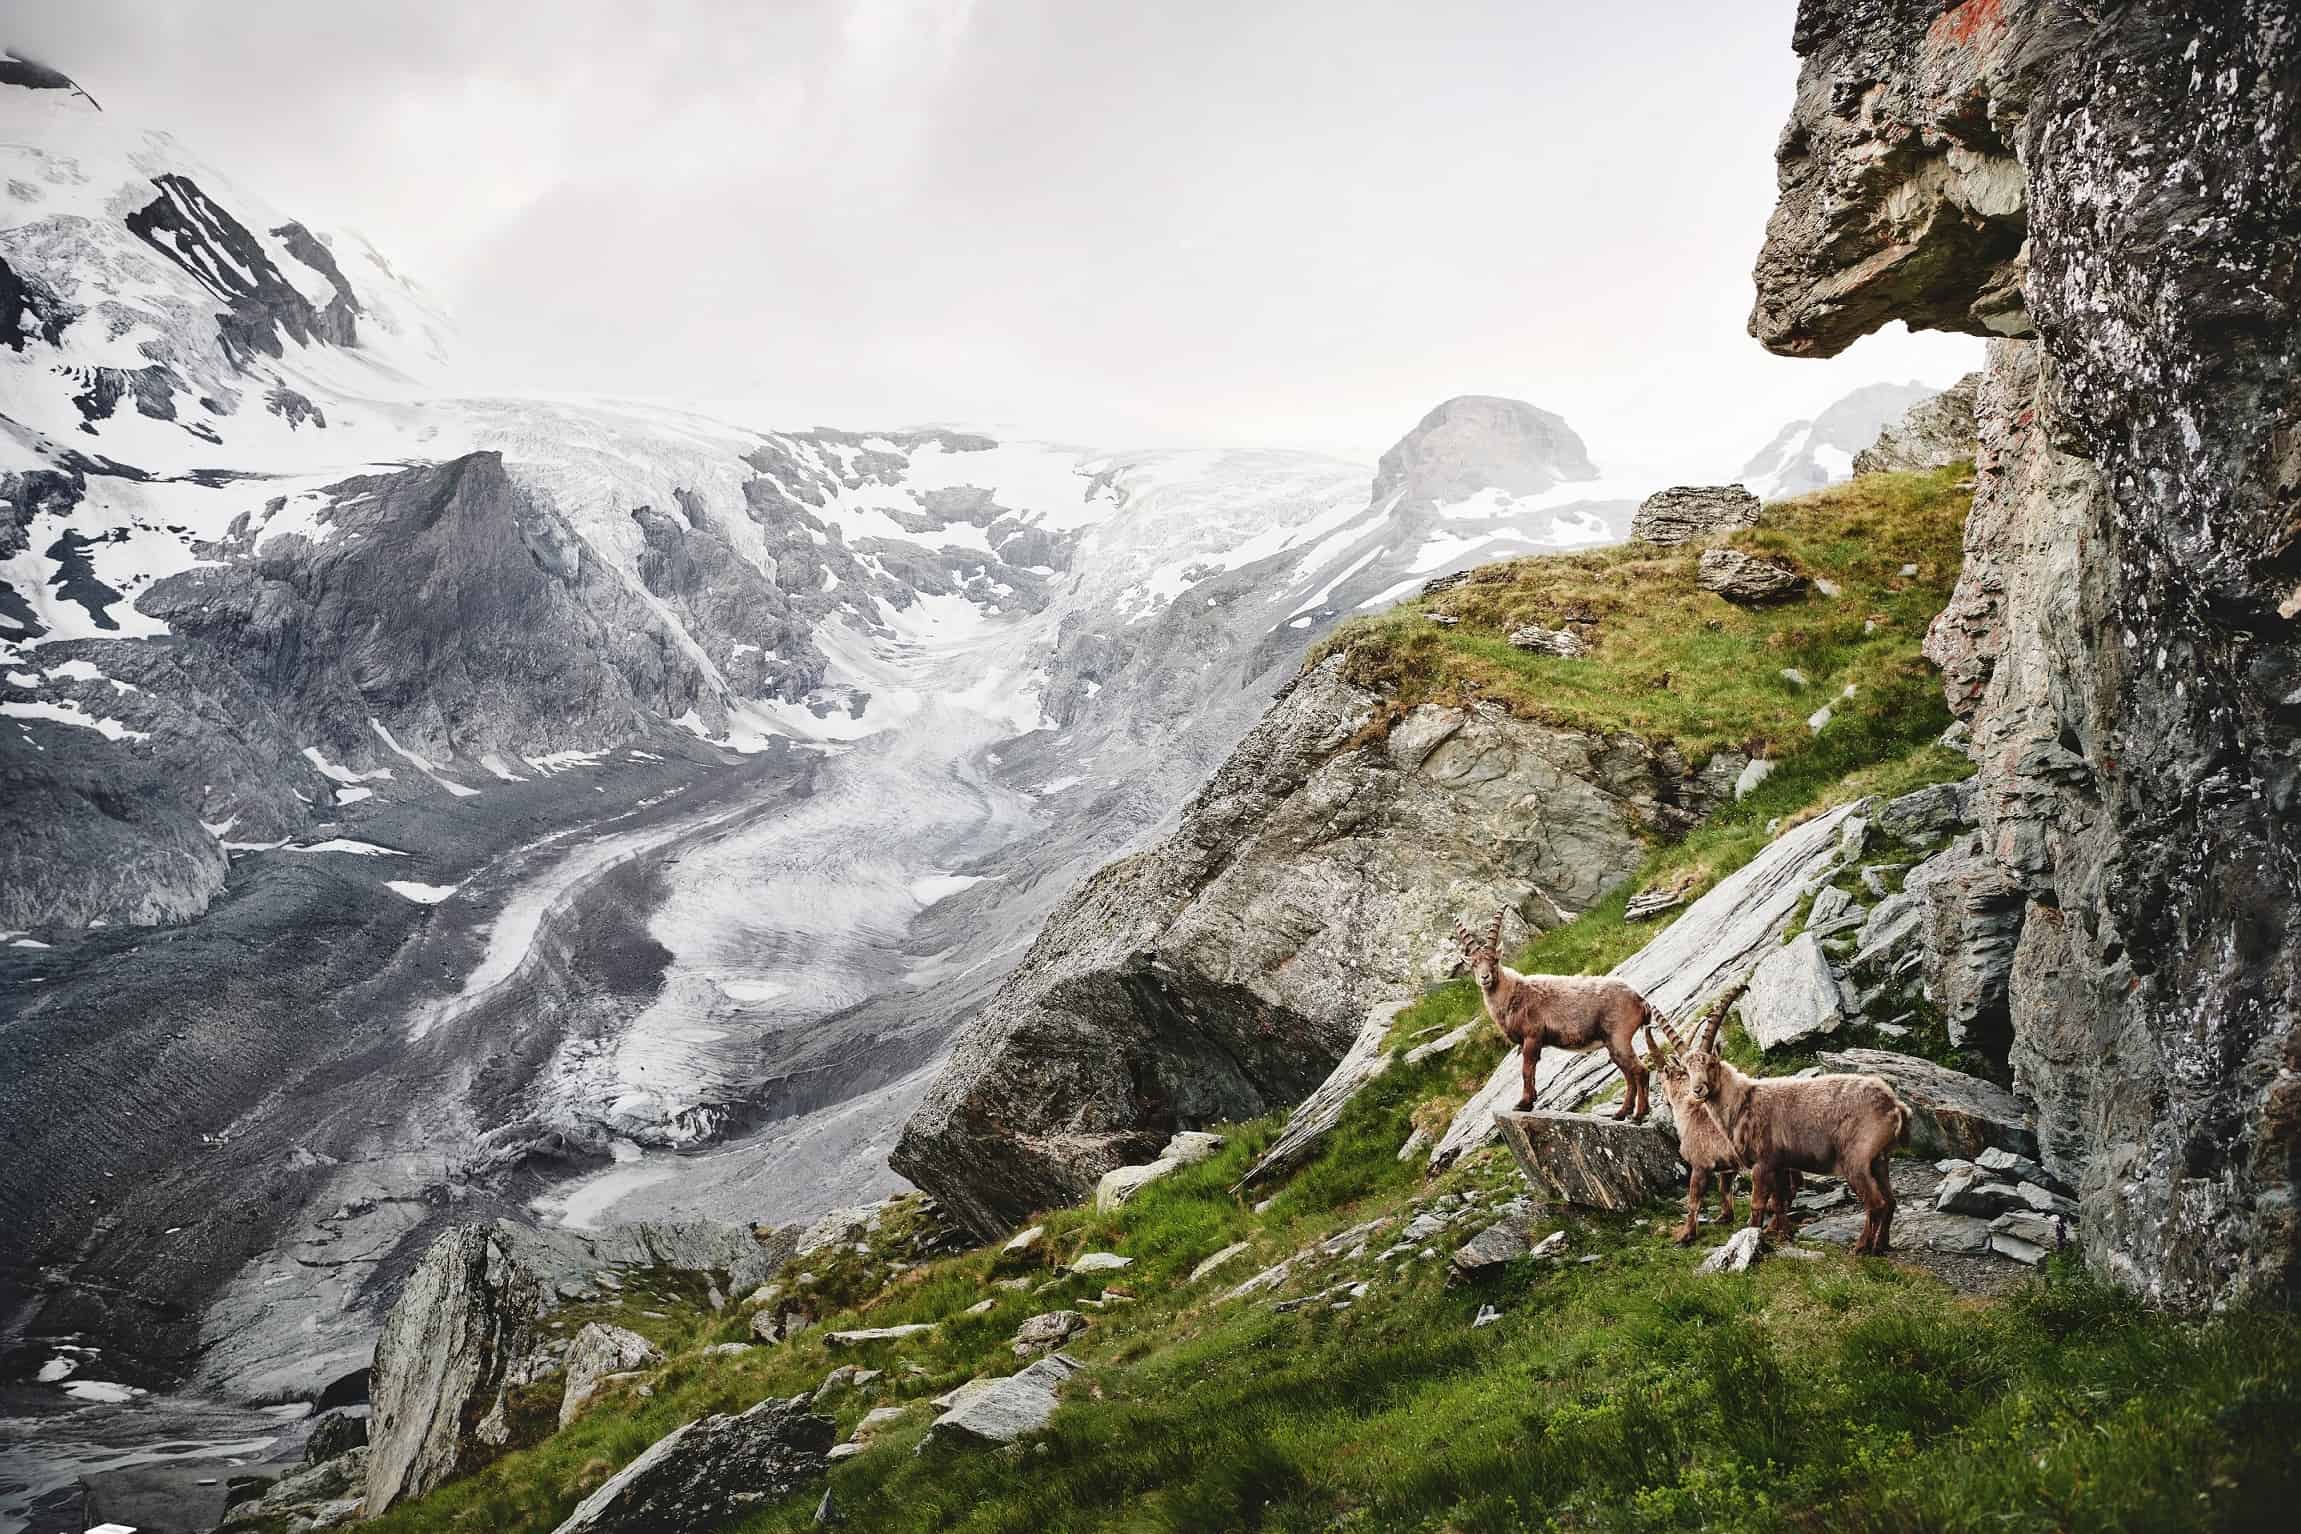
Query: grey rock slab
column 1185, row 1149
column 1047, row 1331
column 1534, row 639
column 1975, row 1192
column 1098, row 1262
column 1007, row 1409
column 334, row 1433
column 710, row 1471
column 870, row 1334
column 1951, row 1113
column 2019, row 1169
column 1588, row 1161
column 1216, row 1260
column 598, row 1351
column 1793, row 996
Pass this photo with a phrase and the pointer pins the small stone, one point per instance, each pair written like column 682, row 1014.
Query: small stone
column 2019, row 1169
column 1098, row 1262
column 1023, row 1241
column 1819, row 719
column 1747, row 579
column 1793, row 676
column 870, row 1334
column 1042, row 1333
column 1828, row 588
column 1754, row 774
column 1487, row 1316
column 1735, row 1255
column 1534, row 639
column 980, row 1308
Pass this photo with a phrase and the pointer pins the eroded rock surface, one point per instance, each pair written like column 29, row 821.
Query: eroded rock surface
column 2123, row 640
column 598, row 1351
column 466, row 1315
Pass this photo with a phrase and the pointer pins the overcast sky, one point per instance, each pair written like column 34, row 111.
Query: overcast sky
column 1285, row 222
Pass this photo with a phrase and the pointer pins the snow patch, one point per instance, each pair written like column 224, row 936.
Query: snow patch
column 421, row 894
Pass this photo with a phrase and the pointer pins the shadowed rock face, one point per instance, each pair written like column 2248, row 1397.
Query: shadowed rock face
column 2124, row 638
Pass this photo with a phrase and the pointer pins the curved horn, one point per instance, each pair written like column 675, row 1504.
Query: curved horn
column 1494, row 934
column 1714, row 1021
column 1463, row 938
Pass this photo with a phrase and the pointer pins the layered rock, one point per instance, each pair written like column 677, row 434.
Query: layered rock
column 1747, row 579
column 1687, row 513
column 598, row 1351
column 1936, row 433
column 1225, row 970
column 466, row 1315
column 2124, row 637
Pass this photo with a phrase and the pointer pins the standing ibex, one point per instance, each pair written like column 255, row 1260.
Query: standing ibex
column 1578, row 1012
column 1702, row 1144
column 1845, row 1125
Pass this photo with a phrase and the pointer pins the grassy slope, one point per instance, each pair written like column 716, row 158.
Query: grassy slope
column 1624, row 1393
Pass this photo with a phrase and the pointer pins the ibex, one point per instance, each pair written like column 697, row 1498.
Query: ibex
column 1702, row 1145
column 1578, row 1012
column 1845, row 1125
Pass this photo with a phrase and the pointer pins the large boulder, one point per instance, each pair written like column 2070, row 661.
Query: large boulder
column 1952, row 1114
column 2122, row 639
column 1687, row 513
column 598, row 1351
column 1936, row 433
column 1747, row 579
column 1001, row 1411
column 710, row 1472
column 335, row 1433
column 1793, row 995
column 1596, row 1163
column 465, row 1316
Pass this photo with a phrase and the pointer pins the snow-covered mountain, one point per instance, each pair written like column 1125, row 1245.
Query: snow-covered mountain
column 1806, row 455
column 574, row 810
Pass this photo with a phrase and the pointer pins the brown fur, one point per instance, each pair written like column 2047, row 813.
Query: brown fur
column 1702, row 1145
column 1577, row 1012
column 1844, row 1125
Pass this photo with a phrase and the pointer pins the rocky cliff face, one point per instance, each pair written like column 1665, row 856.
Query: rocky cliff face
column 1221, row 972
column 2112, row 191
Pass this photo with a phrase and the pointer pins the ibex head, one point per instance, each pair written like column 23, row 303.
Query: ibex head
column 1482, row 954
column 1696, row 1064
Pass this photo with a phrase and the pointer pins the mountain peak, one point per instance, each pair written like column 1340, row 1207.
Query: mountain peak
column 1476, row 442
column 31, row 75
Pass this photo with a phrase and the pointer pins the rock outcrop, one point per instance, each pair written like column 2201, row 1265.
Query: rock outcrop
column 1936, row 433
column 1188, row 1148
column 466, row 1315
column 598, row 1351
column 1748, row 579
column 711, row 1471
column 1222, row 972
column 2110, row 189
column 1687, row 513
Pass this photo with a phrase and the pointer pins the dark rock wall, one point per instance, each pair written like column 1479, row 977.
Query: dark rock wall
column 2116, row 189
